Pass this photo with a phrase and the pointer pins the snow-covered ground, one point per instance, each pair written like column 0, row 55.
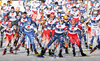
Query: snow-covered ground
column 21, row 56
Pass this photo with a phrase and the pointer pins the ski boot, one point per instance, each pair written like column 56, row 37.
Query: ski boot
column 17, row 47
column 83, row 54
column 86, row 45
column 27, row 51
column 53, row 50
column 31, row 47
column 50, row 54
column 42, row 51
column 69, row 45
column 90, row 47
column 8, row 45
column 15, row 43
column 36, row 52
column 54, row 55
column 94, row 49
column 11, row 49
column 60, row 54
column 74, row 54
column 66, row 50
column 98, row 46
column 4, row 51
column 55, row 47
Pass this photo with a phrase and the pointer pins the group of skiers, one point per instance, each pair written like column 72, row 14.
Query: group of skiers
column 50, row 22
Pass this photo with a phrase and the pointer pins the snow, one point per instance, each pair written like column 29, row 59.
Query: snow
column 21, row 56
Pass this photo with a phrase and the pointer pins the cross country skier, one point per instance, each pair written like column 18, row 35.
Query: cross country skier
column 67, row 22
column 51, row 23
column 18, row 16
column 9, row 36
column 82, row 8
column 93, row 22
column 59, row 30
column 83, row 33
column 23, row 21
column 72, row 33
column 12, row 16
column 3, row 25
column 9, row 6
column 66, row 40
column 97, row 46
column 29, row 35
column 4, row 8
column 19, row 13
column 27, row 4
column 75, row 13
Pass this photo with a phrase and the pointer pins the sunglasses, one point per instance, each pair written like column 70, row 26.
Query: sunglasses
column 5, row 18
column 24, row 15
column 72, row 23
column 66, row 19
column 8, row 3
column 12, row 10
column 95, row 14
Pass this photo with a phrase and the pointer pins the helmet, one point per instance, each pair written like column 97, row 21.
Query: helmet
column 17, row 8
column 0, row 21
column 66, row 17
column 52, row 14
column 6, row 16
column 29, row 18
column 74, row 8
column 9, row 22
column 82, row 17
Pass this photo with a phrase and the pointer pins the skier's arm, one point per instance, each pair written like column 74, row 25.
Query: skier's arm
column 85, row 23
column 3, row 29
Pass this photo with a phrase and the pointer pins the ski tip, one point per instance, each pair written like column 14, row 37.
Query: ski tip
column 40, row 56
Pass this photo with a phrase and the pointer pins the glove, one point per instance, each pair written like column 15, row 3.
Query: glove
column 23, row 33
column 36, row 34
column 50, row 34
column 65, row 34
column 22, row 29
